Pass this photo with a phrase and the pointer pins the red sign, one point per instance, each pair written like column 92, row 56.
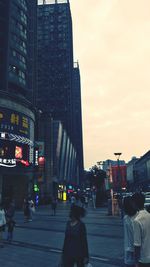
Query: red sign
column 119, row 177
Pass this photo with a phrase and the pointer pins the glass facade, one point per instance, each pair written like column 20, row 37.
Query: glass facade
column 55, row 57
column 18, row 47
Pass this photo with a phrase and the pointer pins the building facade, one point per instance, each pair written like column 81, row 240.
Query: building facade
column 77, row 119
column 142, row 173
column 59, row 89
column 17, row 90
column 55, row 57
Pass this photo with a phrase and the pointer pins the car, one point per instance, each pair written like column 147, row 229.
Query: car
column 147, row 203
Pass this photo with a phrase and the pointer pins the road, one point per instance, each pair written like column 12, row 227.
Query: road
column 39, row 243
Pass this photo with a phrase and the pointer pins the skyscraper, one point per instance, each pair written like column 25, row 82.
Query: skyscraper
column 17, row 89
column 18, row 47
column 55, row 57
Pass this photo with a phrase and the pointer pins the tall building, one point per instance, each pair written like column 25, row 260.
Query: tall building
column 18, row 47
column 55, row 57
column 17, row 89
column 77, row 118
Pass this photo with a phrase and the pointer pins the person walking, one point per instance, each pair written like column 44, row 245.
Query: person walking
column 10, row 224
column 73, row 200
column 31, row 208
column 86, row 201
column 10, row 211
column 54, row 206
column 2, row 224
column 75, row 248
column 130, row 214
column 26, row 210
column 141, row 226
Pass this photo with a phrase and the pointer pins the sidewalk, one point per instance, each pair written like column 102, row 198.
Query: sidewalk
column 39, row 243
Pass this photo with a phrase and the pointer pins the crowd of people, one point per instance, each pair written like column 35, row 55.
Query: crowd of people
column 7, row 212
column 81, row 200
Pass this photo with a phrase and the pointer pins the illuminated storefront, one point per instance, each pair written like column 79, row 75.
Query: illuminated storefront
column 16, row 150
column 16, row 142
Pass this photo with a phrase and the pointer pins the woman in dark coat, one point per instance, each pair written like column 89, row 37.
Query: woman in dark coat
column 75, row 249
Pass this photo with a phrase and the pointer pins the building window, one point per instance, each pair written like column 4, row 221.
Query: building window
column 14, row 70
column 20, row 27
column 19, row 43
column 20, row 58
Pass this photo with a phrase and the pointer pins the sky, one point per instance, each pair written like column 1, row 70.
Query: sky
column 112, row 44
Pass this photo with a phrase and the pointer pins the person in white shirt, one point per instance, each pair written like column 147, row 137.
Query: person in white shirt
column 130, row 214
column 2, row 224
column 141, row 232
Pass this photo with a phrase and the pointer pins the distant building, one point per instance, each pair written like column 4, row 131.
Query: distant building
column 131, row 173
column 142, row 172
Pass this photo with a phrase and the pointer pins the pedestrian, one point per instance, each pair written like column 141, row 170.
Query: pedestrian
column 82, row 199
column 26, row 210
column 75, row 248
column 54, row 206
column 73, row 200
column 10, row 224
column 2, row 224
column 10, row 211
column 86, row 201
column 130, row 214
column 141, row 232
column 31, row 208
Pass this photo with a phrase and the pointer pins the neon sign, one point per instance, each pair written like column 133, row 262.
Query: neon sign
column 9, row 163
column 18, row 152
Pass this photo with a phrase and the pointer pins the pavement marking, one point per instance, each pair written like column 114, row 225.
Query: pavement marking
column 109, row 261
column 55, row 250
column 98, row 258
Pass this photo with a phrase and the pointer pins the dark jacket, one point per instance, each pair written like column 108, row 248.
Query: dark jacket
column 75, row 243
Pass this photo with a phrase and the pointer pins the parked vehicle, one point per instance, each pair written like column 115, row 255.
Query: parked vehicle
column 147, row 203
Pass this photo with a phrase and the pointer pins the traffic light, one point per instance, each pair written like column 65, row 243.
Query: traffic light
column 36, row 188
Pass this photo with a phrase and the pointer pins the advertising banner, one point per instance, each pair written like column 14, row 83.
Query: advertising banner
column 14, row 122
column 118, row 177
column 16, row 138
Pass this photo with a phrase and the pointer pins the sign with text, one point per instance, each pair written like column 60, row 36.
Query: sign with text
column 14, row 122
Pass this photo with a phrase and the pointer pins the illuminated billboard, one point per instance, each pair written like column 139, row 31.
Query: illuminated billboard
column 18, row 152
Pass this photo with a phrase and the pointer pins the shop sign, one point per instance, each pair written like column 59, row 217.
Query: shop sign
column 8, row 162
column 16, row 138
column 14, row 122
column 36, row 157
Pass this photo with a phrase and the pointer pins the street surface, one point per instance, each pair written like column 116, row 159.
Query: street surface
column 39, row 243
